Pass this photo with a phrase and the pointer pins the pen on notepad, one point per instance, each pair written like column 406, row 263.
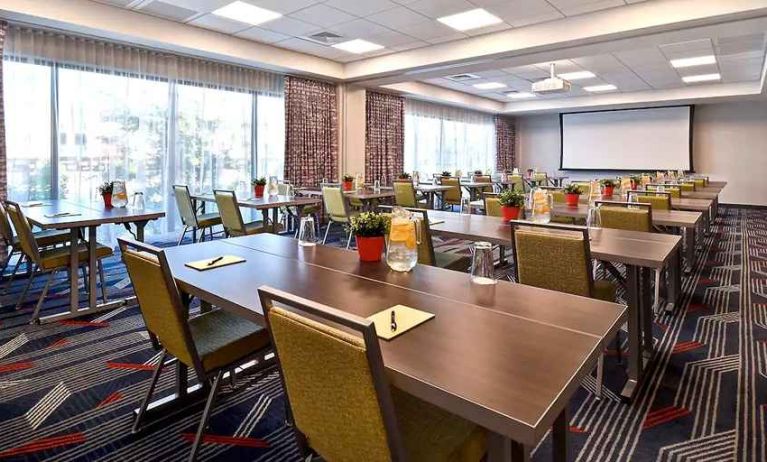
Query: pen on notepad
column 215, row 260
column 393, row 320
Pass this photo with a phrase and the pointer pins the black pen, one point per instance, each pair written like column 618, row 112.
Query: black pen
column 215, row 260
column 393, row 320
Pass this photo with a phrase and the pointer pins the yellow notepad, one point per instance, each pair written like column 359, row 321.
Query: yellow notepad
column 226, row 260
column 406, row 317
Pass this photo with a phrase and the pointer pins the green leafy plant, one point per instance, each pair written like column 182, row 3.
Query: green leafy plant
column 404, row 176
column 106, row 188
column 369, row 224
column 478, row 172
column 446, row 173
column 572, row 188
column 259, row 181
column 608, row 182
column 636, row 178
column 509, row 198
column 346, row 177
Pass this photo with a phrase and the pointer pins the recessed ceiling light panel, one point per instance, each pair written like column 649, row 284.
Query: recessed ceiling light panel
column 701, row 78
column 489, row 85
column 520, row 94
column 358, row 46
column 247, row 13
column 472, row 19
column 578, row 75
column 696, row 61
column 600, row 88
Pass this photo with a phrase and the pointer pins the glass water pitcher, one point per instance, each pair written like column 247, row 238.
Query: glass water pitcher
column 119, row 193
column 541, row 202
column 404, row 237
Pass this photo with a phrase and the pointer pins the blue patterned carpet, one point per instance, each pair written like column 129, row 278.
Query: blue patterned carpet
column 67, row 390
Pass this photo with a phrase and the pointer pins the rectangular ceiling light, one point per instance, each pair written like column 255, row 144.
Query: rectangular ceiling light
column 489, row 85
column 247, row 13
column 579, row 75
column 520, row 94
column 701, row 78
column 472, row 19
column 600, row 88
column 358, row 46
column 696, row 61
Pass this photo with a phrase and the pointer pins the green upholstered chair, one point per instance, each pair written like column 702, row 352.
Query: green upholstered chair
column 516, row 183
column 231, row 217
column 687, row 187
column 699, row 182
column 340, row 401
column 492, row 205
column 405, row 194
column 210, row 344
column 542, row 178
column 452, row 196
column 336, row 208
column 189, row 217
column 660, row 200
column 45, row 238
column 51, row 260
column 484, row 179
column 558, row 257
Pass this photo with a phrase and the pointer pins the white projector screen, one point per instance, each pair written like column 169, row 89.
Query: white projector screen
column 632, row 139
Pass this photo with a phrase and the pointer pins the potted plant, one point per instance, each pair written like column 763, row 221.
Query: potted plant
column 608, row 187
column 106, row 193
column 258, row 186
column 447, row 174
column 478, row 172
column 572, row 194
column 369, row 229
column 347, row 182
column 511, row 204
column 404, row 176
column 636, row 180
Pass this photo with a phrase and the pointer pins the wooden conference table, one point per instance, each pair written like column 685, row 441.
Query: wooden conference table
column 49, row 214
column 640, row 252
column 506, row 357
column 368, row 195
column 264, row 204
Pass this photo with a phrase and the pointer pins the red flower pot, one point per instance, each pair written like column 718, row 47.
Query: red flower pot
column 107, row 200
column 348, row 185
column 510, row 213
column 370, row 248
column 634, row 186
column 571, row 199
column 258, row 190
column 608, row 190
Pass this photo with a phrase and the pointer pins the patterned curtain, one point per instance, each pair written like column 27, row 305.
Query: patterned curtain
column 505, row 132
column 311, row 132
column 384, row 137
column 3, row 170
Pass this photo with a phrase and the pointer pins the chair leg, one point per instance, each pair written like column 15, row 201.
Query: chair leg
column 327, row 230
column 26, row 289
column 349, row 240
column 205, row 416
column 13, row 274
column 36, row 315
column 183, row 233
column 600, row 376
column 101, row 280
column 658, row 278
column 6, row 262
column 152, row 384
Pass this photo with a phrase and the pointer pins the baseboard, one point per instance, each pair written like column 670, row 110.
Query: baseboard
column 745, row 206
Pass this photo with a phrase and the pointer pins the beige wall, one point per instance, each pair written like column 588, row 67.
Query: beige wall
column 729, row 143
column 351, row 120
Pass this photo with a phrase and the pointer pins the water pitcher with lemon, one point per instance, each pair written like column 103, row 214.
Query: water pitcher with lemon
column 404, row 237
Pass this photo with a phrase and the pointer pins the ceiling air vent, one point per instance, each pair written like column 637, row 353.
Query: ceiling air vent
column 462, row 77
column 325, row 38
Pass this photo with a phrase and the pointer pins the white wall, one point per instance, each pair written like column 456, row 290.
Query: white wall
column 729, row 143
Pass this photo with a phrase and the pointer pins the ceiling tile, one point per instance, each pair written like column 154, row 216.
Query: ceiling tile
column 262, row 35
column 742, row 44
column 306, row 46
column 290, row 26
column 283, row 6
column 322, row 15
column 410, row 45
column 359, row 28
column 397, row 18
column 431, row 30
column 167, row 10
column 219, row 24
column 361, row 7
column 576, row 7
column 438, row 8
column 390, row 38
column 123, row 3
column 688, row 49
column 202, row 6
column 488, row 29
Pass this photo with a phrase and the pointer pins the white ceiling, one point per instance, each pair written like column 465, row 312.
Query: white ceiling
column 739, row 59
column 398, row 25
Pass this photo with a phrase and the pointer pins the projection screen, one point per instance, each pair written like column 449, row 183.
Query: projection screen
column 632, row 139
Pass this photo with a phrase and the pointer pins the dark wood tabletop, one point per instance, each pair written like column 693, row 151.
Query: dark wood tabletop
column 677, row 218
column 265, row 202
column 510, row 374
column 83, row 214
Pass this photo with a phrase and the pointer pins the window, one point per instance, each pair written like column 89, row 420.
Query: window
column 438, row 138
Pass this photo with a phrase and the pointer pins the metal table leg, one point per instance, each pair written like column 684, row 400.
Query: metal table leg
column 74, row 293
column 634, row 332
column 674, row 281
column 689, row 245
column 646, row 312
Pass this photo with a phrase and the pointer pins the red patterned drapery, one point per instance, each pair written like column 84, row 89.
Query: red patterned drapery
column 311, row 132
column 3, row 170
column 384, row 137
column 505, row 133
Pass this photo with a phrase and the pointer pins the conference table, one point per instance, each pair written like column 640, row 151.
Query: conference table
column 76, row 217
column 506, row 357
column 264, row 204
column 368, row 196
column 641, row 253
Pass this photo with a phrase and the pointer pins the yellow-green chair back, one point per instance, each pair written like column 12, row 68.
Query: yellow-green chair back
column 6, row 232
column 554, row 257
column 404, row 194
column 584, row 186
column 541, row 178
column 184, row 204
column 334, row 379
column 453, row 195
column 335, row 203
column 492, row 205
column 687, row 187
column 24, row 232
column 484, row 179
column 228, row 208
column 626, row 216
column 657, row 199
column 699, row 182
column 516, row 183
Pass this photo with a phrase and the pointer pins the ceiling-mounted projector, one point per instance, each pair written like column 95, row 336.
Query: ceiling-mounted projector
column 551, row 85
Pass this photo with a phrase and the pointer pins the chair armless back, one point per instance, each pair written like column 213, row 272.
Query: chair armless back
column 231, row 217
column 27, row 240
column 452, row 195
column 184, row 204
column 335, row 203
column 626, row 216
column 404, row 193
column 6, row 232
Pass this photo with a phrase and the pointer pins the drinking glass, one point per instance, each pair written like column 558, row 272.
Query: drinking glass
column 465, row 206
column 482, row 266
column 306, row 236
column 138, row 201
column 377, row 186
column 594, row 222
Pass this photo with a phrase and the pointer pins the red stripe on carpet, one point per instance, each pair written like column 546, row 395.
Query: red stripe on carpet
column 664, row 415
column 574, row 429
column 45, row 443
column 16, row 366
column 58, row 343
column 131, row 366
column 693, row 307
column 116, row 396
column 231, row 440
column 682, row 347
column 72, row 322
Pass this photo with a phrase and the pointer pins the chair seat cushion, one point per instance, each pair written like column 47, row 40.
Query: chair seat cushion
column 208, row 219
column 59, row 257
column 48, row 237
column 431, row 434
column 604, row 290
column 254, row 227
column 452, row 261
column 222, row 338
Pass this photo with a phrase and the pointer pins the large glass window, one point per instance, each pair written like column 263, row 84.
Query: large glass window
column 28, row 130
column 271, row 136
